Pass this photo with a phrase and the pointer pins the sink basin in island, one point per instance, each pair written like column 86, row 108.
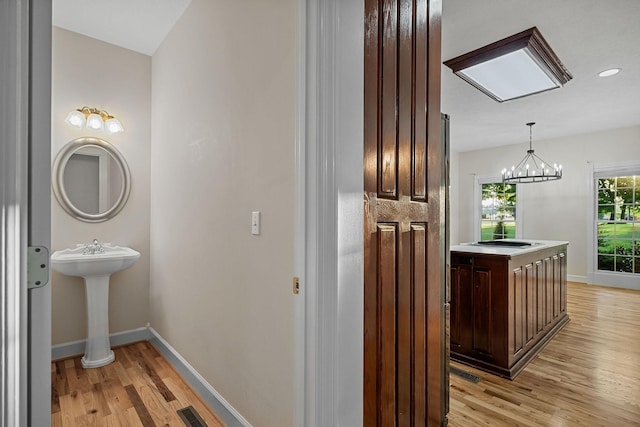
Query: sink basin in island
column 95, row 263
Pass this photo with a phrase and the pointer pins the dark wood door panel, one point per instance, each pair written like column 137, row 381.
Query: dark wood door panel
column 387, row 328
column 419, row 267
column 518, row 311
column 531, row 294
column 404, row 297
column 541, row 298
column 482, row 311
column 548, row 285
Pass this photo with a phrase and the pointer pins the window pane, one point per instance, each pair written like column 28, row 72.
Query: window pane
column 487, row 230
column 624, row 230
column 624, row 247
column 625, row 182
column 625, row 195
column 605, row 262
column 606, row 230
column 624, row 264
column 606, row 212
column 606, row 246
column 618, row 224
column 606, row 191
column 498, row 211
column 510, row 229
column 509, row 214
column 499, row 231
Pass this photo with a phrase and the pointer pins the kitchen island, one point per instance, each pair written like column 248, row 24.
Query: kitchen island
column 508, row 299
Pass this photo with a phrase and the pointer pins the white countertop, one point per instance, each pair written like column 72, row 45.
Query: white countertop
column 508, row 250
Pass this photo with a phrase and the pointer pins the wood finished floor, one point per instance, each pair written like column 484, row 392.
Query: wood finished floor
column 588, row 375
column 139, row 389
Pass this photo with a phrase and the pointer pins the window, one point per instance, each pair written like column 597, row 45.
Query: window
column 618, row 224
column 498, row 211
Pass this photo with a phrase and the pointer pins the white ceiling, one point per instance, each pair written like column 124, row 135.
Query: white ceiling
column 587, row 35
column 139, row 25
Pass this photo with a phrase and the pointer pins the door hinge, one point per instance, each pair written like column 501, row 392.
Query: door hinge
column 296, row 285
column 37, row 266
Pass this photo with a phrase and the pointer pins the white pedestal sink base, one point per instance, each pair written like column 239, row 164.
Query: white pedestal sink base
column 98, row 363
column 98, row 349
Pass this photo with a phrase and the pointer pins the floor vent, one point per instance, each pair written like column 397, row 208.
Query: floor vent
column 190, row 417
column 464, row 374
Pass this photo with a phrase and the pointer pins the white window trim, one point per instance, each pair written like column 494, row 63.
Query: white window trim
column 479, row 180
column 609, row 278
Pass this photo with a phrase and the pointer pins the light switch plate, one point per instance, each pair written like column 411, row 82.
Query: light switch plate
column 255, row 223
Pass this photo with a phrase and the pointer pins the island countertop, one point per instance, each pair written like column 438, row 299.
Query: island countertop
column 508, row 251
column 506, row 303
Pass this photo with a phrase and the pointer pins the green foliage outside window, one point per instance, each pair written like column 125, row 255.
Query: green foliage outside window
column 498, row 220
column 618, row 224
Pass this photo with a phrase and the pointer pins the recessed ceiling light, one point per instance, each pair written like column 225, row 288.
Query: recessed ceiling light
column 609, row 72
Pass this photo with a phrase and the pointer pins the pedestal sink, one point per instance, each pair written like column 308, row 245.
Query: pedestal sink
column 95, row 263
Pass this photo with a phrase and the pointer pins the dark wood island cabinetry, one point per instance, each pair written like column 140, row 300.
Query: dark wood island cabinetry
column 507, row 302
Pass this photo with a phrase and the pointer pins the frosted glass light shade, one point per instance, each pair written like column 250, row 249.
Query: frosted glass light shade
column 95, row 122
column 510, row 76
column 517, row 66
column 76, row 119
column 113, row 125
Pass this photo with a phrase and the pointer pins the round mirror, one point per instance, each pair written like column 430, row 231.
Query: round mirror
column 91, row 179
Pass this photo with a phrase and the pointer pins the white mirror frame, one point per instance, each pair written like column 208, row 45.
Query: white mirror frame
column 57, row 180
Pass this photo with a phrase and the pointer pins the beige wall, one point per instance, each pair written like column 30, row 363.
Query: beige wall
column 554, row 210
column 96, row 74
column 223, row 146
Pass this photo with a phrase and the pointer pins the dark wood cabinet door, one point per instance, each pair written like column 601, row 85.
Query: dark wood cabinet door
column 461, row 321
column 482, row 297
column 404, row 324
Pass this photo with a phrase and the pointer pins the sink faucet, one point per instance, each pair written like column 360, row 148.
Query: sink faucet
column 93, row 248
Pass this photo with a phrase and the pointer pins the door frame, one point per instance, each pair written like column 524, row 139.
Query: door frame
column 25, row 163
column 39, row 299
column 329, row 242
column 14, row 50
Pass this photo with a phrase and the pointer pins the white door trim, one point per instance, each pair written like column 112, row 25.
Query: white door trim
column 299, row 262
column 39, row 395
column 330, row 192
column 14, row 120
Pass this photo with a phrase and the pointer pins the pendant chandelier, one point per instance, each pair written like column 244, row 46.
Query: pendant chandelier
column 531, row 168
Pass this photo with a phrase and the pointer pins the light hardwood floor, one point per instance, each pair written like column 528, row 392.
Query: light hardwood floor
column 588, row 375
column 139, row 389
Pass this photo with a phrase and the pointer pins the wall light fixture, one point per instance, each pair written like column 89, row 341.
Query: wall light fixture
column 95, row 119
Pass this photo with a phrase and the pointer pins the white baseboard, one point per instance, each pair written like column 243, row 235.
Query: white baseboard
column 579, row 279
column 216, row 402
column 76, row 348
